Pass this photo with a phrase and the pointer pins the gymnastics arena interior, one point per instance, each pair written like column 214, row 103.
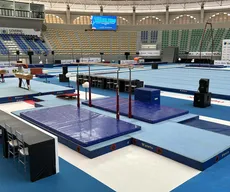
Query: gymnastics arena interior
column 124, row 96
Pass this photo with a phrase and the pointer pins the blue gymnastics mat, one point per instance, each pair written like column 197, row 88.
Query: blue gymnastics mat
column 183, row 80
column 93, row 150
column 214, row 179
column 10, row 92
column 209, row 126
column 191, row 146
column 79, row 126
column 140, row 110
column 206, row 65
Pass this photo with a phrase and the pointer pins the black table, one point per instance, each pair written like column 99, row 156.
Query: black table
column 42, row 159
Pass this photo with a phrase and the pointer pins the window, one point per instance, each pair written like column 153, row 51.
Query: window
column 150, row 20
column 219, row 17
column 51, row 18
column 184, row 19
column 122, row 21
column 82, row 20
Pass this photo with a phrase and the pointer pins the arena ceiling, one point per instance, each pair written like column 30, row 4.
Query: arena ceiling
column 127, row 5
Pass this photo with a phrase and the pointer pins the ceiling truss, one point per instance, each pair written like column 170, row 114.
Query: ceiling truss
column 127, row 5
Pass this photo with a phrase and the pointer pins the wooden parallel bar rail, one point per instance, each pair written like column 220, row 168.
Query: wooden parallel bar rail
column 129, row 66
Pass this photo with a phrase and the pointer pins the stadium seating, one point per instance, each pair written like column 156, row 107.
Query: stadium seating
column 174, row 38
column 144, row 36
column 91, row 42
column 154, row 36
column 165, row 39
column 86, row 43
column 3, row 49
column 184, row 41
column 12, row 42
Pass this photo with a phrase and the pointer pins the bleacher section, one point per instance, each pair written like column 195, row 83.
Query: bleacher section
column 154, row 36
column 144, row 36
column 174, row 38
column 165, row 39
column 10, row 43
column 218, row 39
column 91, row 42
column 3, row 49
column 68, row 42
column 184, row 41
column 190, row 40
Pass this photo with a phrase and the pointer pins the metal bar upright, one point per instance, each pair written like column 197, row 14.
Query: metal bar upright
column 118, row 94
column 78, row 92
column 90, row 98
column 130, row 95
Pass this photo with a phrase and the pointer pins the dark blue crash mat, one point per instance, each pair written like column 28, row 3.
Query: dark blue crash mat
column 78, row 125
column 208, row 126
column 140, row 110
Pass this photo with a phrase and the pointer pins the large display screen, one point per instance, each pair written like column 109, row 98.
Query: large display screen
column 104, row 22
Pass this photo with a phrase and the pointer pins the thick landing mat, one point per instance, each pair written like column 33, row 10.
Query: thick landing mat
column 191, row 146
column 209, row 126
column 140, row 110
column 206, row 65
column 79, row 126
column 13, row 94
column 214, row 179
column 10, row 92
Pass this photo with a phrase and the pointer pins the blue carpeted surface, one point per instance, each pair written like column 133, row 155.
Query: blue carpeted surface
column 209, row 126
column 140, row 110
column 79, row 125
column 186, row 144
column 214, row 111
column 214, row 179
column 183, row 79
column 69, row 179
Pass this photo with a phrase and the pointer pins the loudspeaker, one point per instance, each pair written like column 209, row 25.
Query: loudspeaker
column 52, row 52
column 18, row 52
column 30, row 53
column 127, row 55
column 57, row 61
column 137, row 53
column 202, row 100
column 63, row 78
column 154, row 65
column 204, row 85
column 64, row 70
column 101, row 53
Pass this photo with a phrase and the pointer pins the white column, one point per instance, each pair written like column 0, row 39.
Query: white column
column 134, row 15
column 202, row 13
column 167, row 15
column 101, row 10
column 67, row 14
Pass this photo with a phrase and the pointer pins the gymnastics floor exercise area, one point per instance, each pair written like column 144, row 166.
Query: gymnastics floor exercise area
column 183, row 80
column 92, row 134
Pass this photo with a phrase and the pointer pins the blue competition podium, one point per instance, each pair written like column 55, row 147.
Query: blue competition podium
column 147, row 95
